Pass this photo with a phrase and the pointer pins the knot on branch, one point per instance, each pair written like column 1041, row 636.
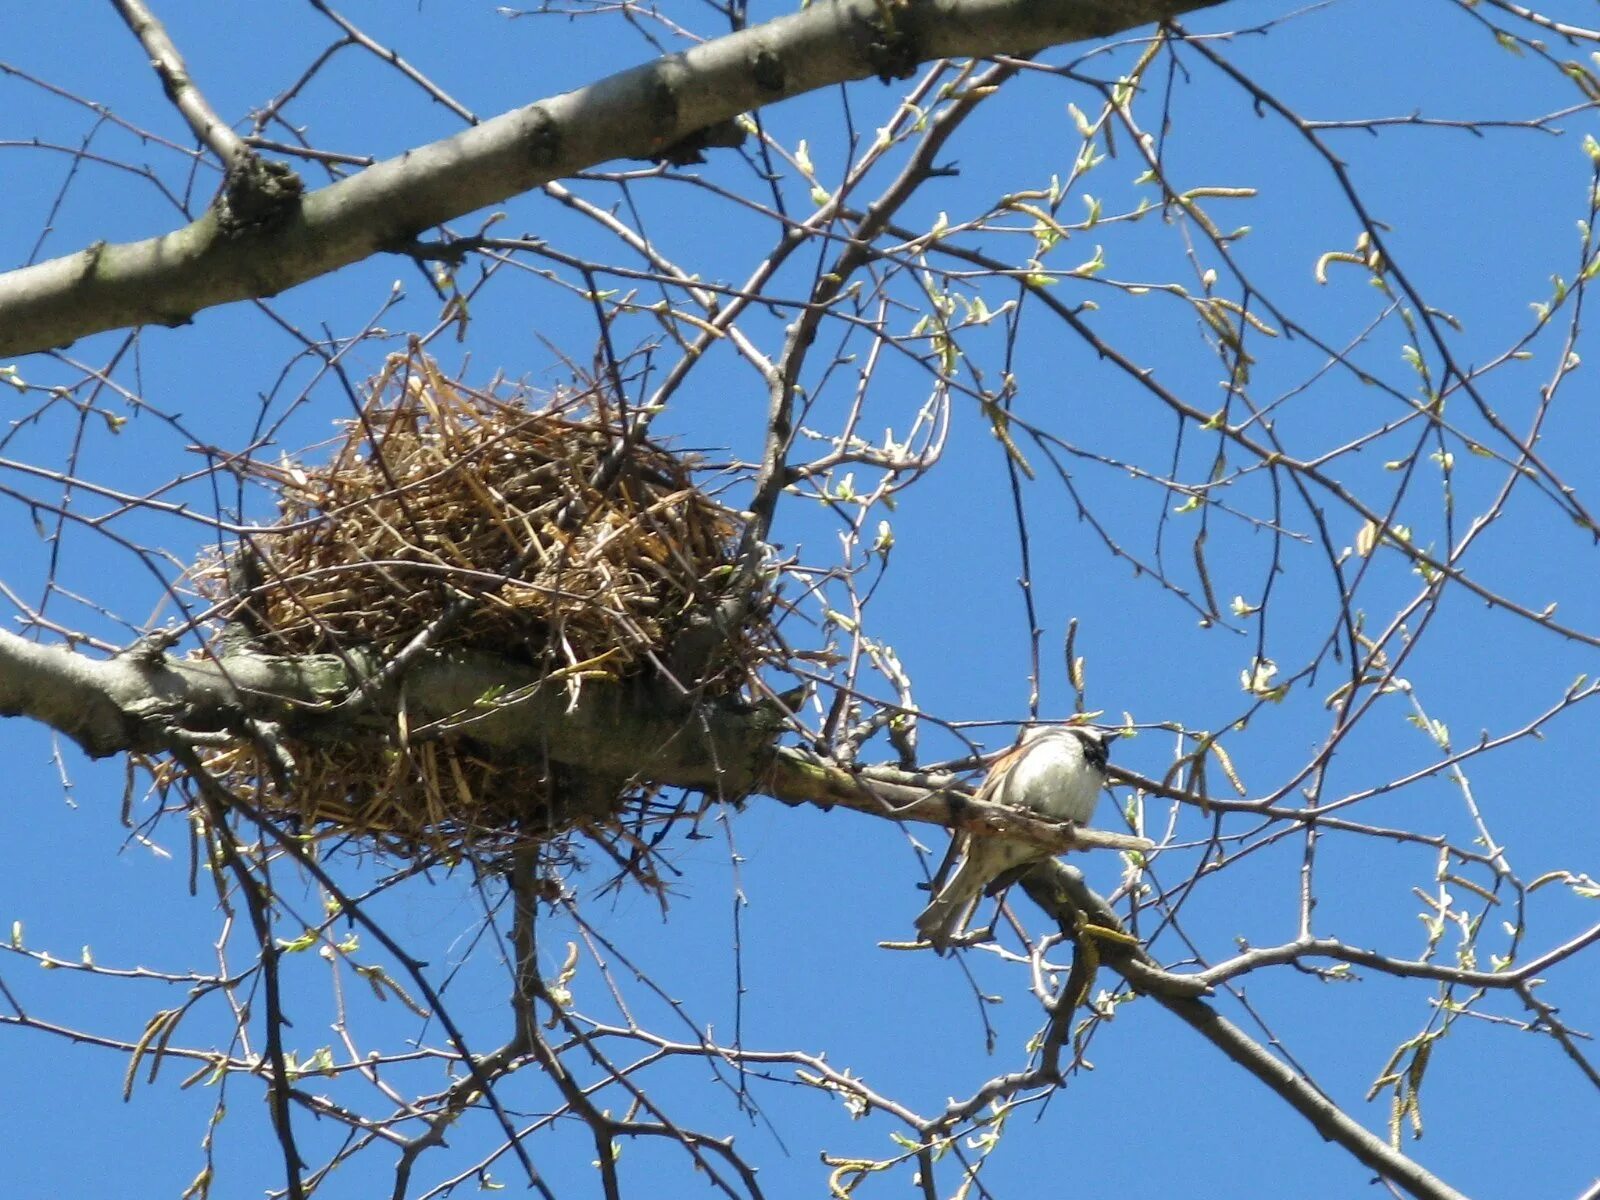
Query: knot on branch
column 257, row 196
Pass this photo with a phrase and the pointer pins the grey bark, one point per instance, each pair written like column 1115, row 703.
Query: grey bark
column 1061, row 892
column 289, row 238
column 145, row 700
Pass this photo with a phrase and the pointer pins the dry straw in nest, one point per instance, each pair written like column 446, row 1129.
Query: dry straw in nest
column 558, row 541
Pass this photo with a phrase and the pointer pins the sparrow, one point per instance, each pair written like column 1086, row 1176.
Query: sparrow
column 1056, row 771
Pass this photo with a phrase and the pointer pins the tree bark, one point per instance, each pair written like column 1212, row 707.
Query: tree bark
column 1061, row 892
column 145, row 700
column 290, row 238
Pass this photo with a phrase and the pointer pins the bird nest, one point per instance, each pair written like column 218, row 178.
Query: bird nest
column 553, row 536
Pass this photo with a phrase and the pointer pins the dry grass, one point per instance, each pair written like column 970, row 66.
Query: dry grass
column 550, row 541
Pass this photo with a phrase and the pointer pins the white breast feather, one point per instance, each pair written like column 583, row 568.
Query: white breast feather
column 1054, row 779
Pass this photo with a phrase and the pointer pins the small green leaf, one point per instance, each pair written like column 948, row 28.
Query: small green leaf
column 1094, row 266
column 885, row 539
column 305, row 941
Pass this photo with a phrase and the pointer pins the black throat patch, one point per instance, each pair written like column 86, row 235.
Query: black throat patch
column 1095, row 750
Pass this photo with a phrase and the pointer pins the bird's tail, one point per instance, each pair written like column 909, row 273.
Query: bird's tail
column 948, row 911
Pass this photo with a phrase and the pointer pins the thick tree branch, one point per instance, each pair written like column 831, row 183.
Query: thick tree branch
column 1326, row 1117
column 638, row 113
column 1061, row 891
column 143, row 699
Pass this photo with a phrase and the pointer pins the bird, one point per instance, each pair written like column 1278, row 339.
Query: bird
column 1056, row 771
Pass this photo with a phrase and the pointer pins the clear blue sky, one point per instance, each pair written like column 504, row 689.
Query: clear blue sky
column 1479, row 223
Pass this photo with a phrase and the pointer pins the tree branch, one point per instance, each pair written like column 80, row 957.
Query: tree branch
column 1326, row 1117
column 138, row 700
column 181, row 89
column 637, row 113
column 798, row 777
column 1061, row 891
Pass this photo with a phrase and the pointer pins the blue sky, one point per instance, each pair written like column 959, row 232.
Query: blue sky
column 1478, row 223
